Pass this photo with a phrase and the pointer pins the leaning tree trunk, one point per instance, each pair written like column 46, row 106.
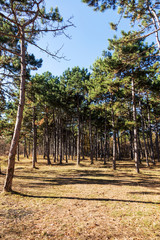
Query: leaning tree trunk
column 135, row 128
column 16, row 134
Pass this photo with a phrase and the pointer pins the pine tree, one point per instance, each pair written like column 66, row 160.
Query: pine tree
column 29, row 18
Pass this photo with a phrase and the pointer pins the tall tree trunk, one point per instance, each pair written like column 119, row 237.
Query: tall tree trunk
column 114, row 140
column 105, row 138
column 101, row 146
column 29, row 147
column 118, row 146
column 150, row 133
column 25, row 147
column 72, row 141
column 44, row 143
column 83, row 140
column 55, row 144
column 34, row 156
column 78, row 134
column 47, row 138
column 131, row 144
column 135, row 128
column 156, row 141
column 61, row 142
column 96, row 144
column 66, row 145
column 143, row 134
column 90, row 138
column 16, row 134
column 54, row 138
column 58, row 139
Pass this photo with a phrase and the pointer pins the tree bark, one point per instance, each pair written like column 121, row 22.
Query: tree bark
column 16, row 134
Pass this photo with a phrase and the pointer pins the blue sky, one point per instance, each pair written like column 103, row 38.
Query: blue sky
column 89, row 37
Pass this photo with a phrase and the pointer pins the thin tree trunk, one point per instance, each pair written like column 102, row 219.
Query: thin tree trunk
column 57, row 139
column 90, row 138
column 55, row 144
column 118, row 146
column 72, row 140
column 61, row 141
column 105, row 138
column 114, row 141
column 34, row 156
column 131, row 144
column 101, row 147
column 47, row 138
column 16, row 134
column 96, row 144
column 135, row 128
column 156, row 141
column 44, row 143
column 66, row 146
column 29, row 147
column 143, row 134
column 78, row 135
column 25, row 147
column 150, row 133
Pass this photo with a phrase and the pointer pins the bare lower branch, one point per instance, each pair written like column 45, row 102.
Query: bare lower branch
column 53, row 55
column 9, row 50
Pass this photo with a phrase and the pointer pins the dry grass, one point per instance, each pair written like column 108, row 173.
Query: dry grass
column 86, row 202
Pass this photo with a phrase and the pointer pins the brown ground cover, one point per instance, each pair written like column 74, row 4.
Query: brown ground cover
column 86, row 202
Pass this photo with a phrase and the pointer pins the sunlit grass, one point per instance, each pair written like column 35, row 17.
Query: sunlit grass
column 80, row 202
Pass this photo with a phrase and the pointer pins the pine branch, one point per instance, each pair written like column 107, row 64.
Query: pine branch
column 9, row 50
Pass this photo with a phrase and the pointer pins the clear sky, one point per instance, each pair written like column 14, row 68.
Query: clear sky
column 89, row 37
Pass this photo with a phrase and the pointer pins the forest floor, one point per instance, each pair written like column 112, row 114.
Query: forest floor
column 70, row 202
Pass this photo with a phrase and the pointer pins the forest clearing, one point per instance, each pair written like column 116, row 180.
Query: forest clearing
column 81, row 202
column 80, row 143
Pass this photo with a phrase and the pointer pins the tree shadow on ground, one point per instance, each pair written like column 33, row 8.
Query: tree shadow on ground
column 91, row 177
column 85, row 199
column 145, row 193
